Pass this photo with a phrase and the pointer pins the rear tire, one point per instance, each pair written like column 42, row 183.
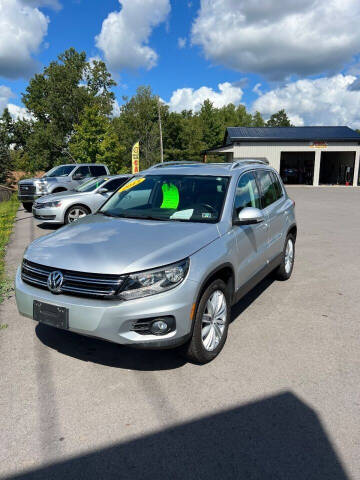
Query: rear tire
column 27, row 206
column 211, row 324
column 75, row 212
column 284, row 271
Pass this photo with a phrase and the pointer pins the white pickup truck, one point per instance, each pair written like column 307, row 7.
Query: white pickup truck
column 58, row 179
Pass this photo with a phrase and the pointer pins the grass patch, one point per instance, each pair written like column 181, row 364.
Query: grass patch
column 8, row 211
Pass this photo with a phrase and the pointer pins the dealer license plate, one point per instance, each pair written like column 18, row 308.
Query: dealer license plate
column 51, row 314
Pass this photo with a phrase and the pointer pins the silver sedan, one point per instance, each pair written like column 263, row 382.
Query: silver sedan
column 67, row 207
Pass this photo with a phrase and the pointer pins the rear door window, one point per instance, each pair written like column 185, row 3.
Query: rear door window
column 269, row 193
column 83, row 170
column 278, row 188
column 97, row 170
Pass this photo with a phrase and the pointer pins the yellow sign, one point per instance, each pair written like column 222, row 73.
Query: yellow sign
column 131, row 184
column 136, row 158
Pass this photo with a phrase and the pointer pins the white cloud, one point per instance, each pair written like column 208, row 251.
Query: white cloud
column 55, row 4
column 14, row 110
column 279, row 38
column 5, row 95
column 182, row 42
column 323, row 101
column 22, row 30
column 125, row 34
column 257, row 89
column 116, row 109
column 19, row 112
column 191, row 99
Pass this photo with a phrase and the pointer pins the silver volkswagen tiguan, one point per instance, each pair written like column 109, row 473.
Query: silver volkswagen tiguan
column 161, row 262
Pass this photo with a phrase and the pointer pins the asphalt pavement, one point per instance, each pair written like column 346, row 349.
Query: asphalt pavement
column 282, row 401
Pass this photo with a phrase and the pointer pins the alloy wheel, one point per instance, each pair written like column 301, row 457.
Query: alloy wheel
column 76, row 213
column 214, row 320
column 289, row 256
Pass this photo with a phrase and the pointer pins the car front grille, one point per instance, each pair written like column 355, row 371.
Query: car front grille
column 27, row 189
column 75, row 283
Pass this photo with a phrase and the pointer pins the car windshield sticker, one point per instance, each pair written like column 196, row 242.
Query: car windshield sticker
column 131, row 184
column 171, row 197
column 206, row 215
column 182, row 214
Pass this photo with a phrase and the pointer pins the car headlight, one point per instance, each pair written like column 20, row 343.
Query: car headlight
column 155, row 281
column 51, row 204
column 42, row 187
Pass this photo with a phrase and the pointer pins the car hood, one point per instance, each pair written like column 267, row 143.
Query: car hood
column 28, row 181
column 60, row 195
column 98, row 244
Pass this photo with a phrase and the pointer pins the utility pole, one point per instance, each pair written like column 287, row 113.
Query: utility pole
column 161, row 136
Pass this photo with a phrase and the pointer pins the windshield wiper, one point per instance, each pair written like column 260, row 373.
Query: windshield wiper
column 149, row 217
column 106, row 214
column 142, row 217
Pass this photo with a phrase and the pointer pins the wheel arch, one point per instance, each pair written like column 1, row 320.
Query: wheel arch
column 59, row 189
column 292, row 230
column 224, row 272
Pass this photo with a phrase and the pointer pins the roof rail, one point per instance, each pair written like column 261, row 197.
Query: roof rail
column 239, row 161
column 166, row 164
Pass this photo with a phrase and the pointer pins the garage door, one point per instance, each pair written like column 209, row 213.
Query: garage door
column 297, row 168
column 337, row 168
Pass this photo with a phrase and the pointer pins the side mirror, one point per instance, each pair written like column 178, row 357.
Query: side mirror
column 249, row 216
column 103, row 190
column 78, row 176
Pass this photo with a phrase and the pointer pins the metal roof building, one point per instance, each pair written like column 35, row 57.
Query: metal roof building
column 302, row 155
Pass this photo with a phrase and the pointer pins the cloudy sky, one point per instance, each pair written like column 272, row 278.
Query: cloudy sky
column 303, row 56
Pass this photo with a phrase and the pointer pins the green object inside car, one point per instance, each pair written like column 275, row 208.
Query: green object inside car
column 171, row 196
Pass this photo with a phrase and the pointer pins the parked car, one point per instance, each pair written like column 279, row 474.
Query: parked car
column 67, row 207
column 163, row 260
column 58, row 179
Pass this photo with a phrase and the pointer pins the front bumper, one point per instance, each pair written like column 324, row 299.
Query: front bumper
column 51, row 214
column 29, row 198
column 112, row 320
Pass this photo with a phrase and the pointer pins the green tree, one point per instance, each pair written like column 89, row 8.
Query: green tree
column 212, row 128
column 57, row 99
column 112, row 152
column 5, row 141
column 89, row 133
column 279, row 119
column 138, row 121
column 182, row 136
column 258, row 120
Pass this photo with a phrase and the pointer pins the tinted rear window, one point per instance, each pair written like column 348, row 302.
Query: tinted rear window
column 98, row 170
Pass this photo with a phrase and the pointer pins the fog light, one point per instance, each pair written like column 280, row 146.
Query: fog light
column 159, row 327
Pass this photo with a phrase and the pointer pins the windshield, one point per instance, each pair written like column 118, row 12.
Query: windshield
column 184, row 198
column 91, row 185
column 61, row 171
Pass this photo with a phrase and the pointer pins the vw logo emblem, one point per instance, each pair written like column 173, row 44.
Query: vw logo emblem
column 55, row 281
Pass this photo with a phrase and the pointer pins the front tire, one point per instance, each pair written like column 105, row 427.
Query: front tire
column 27, row 206
column 284, row 271
column 211, row 324
column 75, row 212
